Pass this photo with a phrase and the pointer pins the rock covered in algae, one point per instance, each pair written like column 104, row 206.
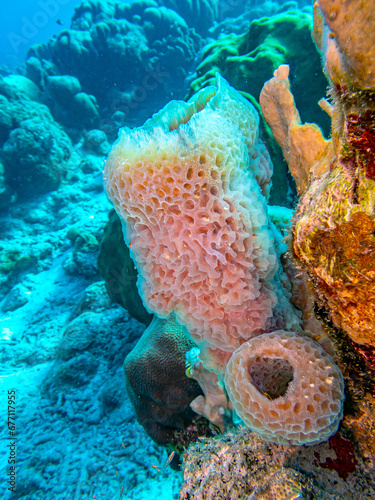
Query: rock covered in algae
column 334, row 225
column 240, row 466
column 334, row 236
column 344, row 31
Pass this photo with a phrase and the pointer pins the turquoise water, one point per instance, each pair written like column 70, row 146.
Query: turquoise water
column 71, row 75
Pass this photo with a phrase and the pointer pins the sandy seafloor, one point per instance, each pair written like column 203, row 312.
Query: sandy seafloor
column 73, row 442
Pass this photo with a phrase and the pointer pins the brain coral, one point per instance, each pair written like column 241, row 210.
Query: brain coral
column 191, row 187
column 156, row 382
column 286, row 388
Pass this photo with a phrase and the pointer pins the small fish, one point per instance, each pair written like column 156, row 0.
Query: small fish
column 296, row 496
column 170, row 458
column 121, row 492
column 122, row 444
column 58, row 21
column 155, row 467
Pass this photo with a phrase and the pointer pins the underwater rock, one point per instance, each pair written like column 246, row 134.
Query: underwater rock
column 75, row 372
column 94, row 298
column 14, row 109
column 85, row 109
column 78, row 335
column 83, row 259
column 6, row 193
column 81, row 263
column 118, row 270
column 63, row 88
column 69, row 105
column 14, row 259
column 19, row 87
column 283, row 484
column 6, row 121
column 31, row 482
column 16, row 298
column 96, row 142
column 199, row 15
column 241, row 466
column 112, row 395
column 83, row 241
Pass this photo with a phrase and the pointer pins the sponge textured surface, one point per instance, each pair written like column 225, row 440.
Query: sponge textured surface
column 191, row 187
column 286, row 388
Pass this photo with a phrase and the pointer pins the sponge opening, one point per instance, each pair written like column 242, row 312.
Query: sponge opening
column 195, row 105
column 270, row 376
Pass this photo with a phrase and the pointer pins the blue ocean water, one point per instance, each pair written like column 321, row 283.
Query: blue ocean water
column 72, row 73
column 28, row 22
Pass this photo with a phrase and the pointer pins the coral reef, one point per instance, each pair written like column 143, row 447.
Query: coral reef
column 34, row 157
column 247, row 59
column 191, row 187
column 157, row 385
column 333, row 231
column 69, row 103
column 35, row 151
column 86, row 69
column 199, row 15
